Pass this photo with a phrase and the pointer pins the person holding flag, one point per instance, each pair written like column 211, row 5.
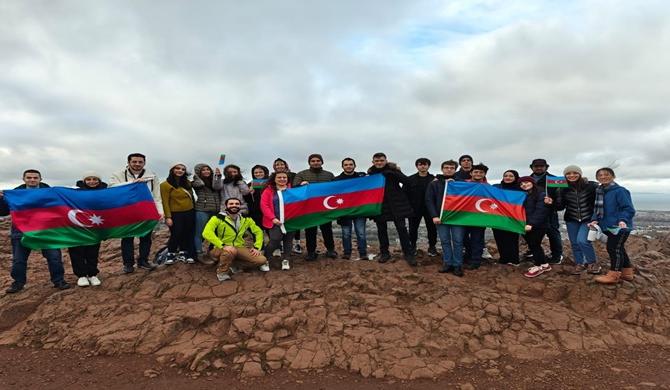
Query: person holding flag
column 280, row 165
column 506, row 241
column 536, row 209
column 259, row 180
column 273, row 219
column 232, row 186
column 32, row 180
column 349, row 172
column 549, row 184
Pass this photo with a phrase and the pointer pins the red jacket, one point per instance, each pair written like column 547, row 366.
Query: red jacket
column 268, row 207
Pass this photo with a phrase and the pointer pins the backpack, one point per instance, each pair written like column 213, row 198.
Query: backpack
column 161, row 255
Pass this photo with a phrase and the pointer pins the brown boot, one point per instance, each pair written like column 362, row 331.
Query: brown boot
column 628, row 274
column 611, row 277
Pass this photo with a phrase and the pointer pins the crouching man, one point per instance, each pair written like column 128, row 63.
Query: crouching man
column 226, row 232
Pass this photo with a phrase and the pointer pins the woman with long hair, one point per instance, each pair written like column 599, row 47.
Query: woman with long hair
column 232, row 186
column 207, row 203
column 277, row 182
column 178, row 205
column 536, row 225
column 259, row 177
column 506, row 241
column 280, row 165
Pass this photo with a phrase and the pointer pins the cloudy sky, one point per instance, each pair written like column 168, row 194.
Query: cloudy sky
column 84, row 83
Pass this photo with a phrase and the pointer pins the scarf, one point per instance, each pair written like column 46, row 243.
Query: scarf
column 599, row 206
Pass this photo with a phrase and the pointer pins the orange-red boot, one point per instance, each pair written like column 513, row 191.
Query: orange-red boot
column 611, row 277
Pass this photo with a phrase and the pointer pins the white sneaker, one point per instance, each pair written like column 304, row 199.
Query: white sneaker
column 276, row 253
column 223, row 277
column 83, row 282
column 94, row 281
column 486, row 254
column 181, row 256
column 189, row 260
column 285, row 266
column 170, row 258
column 371, row 257
column 265, row 267
column 297, row 248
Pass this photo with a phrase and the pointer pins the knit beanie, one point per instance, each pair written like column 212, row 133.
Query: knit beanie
column 315, row 155
column 177, row 163
column 91, row 174
column 526, row 179
column 572, row 168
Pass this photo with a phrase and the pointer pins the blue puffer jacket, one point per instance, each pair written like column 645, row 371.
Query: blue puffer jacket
column 618, row 206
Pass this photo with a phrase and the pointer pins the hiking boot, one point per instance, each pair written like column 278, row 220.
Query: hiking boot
column 14, row 288
column 83, row 282
column 432, row 252
column 384, row 257
column 611, row 277
column 556, row 259
column 310, row 257
column 331, row 254
column 147, row 265
column 458, row 271
column 285, row 266
column 62, row 285
column 94, row 281
column 578, row 269
column 222, row 277
column 593, row 269
column 128, row 268
column 537, row 270
column 411, row 260
column 628, row 274
column 446, row 269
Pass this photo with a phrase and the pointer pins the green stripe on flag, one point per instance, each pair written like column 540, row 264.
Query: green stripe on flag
column 559, row 184
column 483, row 220
column 316, row 219
column 71, row 236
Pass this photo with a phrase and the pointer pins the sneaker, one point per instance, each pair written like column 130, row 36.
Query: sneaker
column 63, row 285
column 285, row 266
column 578, row 269
column 265, row 267
column 432, row 252
column 223, row 276
column 370, row 257
column 458, row 271
column 528, row 255
column 170, row 259
column 537, row 270
column 276, row 253
column 593, row 268
column 446, row 269
column 189, row 260
column 147, row 265
column 83, row 282
column 310, row 257
column 331, row 254
column 94, row 281
column 128, row 268
column 384, row 257
column 234, row 270
column 486, row 254
column 181, row 256
column 411, row 260
column 14, row 288
column 474, row 266
column 297, row 248
column 556, row 260
column 513, row 263
column 347, row 257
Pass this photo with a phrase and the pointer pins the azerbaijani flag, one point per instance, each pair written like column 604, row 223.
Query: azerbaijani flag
column 556, row 182
column 258, row 184
column 58, row 217
column 315, row 204
column 476, row 204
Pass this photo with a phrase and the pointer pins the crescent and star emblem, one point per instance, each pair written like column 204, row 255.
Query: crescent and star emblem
column 480, row 202
column 94, row 220
column 339, row 202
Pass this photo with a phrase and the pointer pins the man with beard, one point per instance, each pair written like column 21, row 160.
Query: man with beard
column 395, row 207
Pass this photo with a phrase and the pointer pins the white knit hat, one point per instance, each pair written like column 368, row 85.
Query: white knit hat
column 572, row 168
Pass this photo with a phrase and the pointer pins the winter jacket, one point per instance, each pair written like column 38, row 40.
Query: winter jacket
column 220, row 231
column 232, row 190
column 4, row 209
column 416, row 192
column 577, row 203
column 208, row 199
column 175, row 199
column 312, row 176
column 536, row 210
column 618, row 207
column 462, row 175
column 82, row 186
column 269, row 206
column 435, row 195
column 125, row 176
column 395, row 204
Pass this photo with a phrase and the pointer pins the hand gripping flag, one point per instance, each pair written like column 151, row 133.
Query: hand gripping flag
column 59, row 217
column 476, row 204
column 319, row 203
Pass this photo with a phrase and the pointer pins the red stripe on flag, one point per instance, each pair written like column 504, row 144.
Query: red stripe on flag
column 57, row 217
column 469, row 203
column 349, row 200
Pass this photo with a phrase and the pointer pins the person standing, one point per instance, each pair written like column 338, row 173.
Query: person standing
column 177, row 196
column 539, row 167
column 358, row 223
column 270, row 207
column 395, row 207
column 316, row 174
column 258, row 183
column 614, row 212
column 280, row 165
column 463, row 174
column 416, row 193
column 506, row 241
column 84, row 258
column 232, row 186
column 134, row 172
column 207, row 204
column 536, row 225
column 474, row 235
column 32, row 179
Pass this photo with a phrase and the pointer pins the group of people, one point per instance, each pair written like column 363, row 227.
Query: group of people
column 210, row 214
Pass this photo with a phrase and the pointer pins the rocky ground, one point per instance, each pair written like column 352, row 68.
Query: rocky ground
column 357, row 323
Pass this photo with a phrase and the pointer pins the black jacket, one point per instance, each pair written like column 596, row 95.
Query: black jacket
column 416, row 192
column 395, row 203
column 462, row 175
column 434, row 196
column 80, row 184
column 577, row 203
column 536, row 210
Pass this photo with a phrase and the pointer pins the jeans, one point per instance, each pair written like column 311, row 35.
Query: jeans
column 20, row 263
column 403, row 236
column 476, row 235
column 582, row 248
column 359, row 226
column 326, row 232
column 451, row 238
column 201, row 219
column 128, row 249
column 554, row 235
column 617, row 251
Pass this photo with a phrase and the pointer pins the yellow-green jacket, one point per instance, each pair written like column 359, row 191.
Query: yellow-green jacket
column 220, row 231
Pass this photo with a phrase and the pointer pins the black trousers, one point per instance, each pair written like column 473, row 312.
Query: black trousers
column 182, row 232
column 84, row 260
column 128, row 249
column 534, row 240
column 326, row 232
column 617, row 251
column 403, row 235
column 414, row 223
column 277, row 239
column 508, row 246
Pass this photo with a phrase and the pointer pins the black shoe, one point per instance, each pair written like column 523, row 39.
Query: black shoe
column 128, row 269
column 62, row 285
column 446, row 269
column 346, row 256
column 384, row 257
column 147, row 265
column 14, row 288
column 432, row 252
column 310, row 257
column 331, row 254
column 556, row 259
column 458, row 271
column 473, row 266
column 411, row 260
